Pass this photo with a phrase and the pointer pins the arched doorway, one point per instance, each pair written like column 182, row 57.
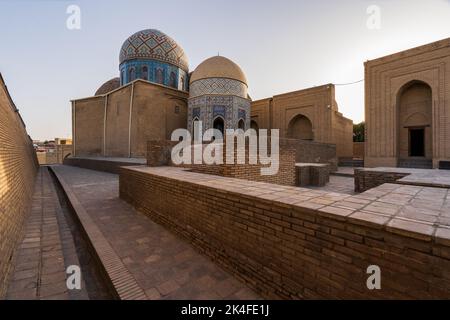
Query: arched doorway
column 254, row 125
column 241, row 124
column 300, row 127
column 219, row 124
column 414, row 121
column 195, row 123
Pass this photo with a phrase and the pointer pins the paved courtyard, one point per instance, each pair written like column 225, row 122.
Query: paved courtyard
column 339, row 184
column 164, row 266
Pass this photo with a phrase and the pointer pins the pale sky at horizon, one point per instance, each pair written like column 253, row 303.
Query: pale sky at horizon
column 281, row 46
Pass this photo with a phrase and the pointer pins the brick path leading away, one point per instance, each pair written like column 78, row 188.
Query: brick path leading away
column 46, row 250
column 164, row 266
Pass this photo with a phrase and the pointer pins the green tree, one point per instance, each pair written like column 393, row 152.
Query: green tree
column 358, row 132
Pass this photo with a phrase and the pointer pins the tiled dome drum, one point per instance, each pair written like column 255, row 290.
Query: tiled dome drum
column 154, row 56
column 218, row 96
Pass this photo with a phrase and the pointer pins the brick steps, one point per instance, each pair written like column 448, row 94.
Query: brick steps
column 415, row 163
column 348, row 172
column 351, row 163
column 342, row 174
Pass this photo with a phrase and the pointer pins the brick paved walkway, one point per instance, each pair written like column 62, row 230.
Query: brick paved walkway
column 46, row 249
column 162, row 264
column 338, row 184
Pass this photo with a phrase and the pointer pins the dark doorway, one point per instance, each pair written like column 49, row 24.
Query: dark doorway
column 417, row 142
column 219, row 124
column 241, row 125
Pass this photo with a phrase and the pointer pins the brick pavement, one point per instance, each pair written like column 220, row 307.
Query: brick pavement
column 338, row 184
column 162, row 264
column 45, row 251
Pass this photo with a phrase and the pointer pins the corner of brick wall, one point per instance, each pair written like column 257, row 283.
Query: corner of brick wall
column 313, row 152
column 159, row 154
column 366, row 180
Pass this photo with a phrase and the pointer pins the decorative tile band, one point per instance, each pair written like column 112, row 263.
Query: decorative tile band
column 218, row 86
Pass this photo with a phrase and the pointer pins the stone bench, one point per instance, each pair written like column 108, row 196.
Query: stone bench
column 314, row 174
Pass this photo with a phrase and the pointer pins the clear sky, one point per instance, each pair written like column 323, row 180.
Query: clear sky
column 281, row 45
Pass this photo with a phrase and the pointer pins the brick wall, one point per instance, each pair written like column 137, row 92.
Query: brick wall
column 286, row 250
column 358, row 150
column 385, row 81
column 18, row 165
column 286, row 174
column 313, row 152
column 102, row 125
column 56, row 156
column 366, row 180
column 318, row 104
column 159, row 154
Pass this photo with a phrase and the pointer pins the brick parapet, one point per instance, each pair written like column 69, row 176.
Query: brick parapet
column 295, row 243
column 159, row 154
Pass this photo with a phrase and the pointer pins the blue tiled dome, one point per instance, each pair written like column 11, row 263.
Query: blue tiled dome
column 153, row 44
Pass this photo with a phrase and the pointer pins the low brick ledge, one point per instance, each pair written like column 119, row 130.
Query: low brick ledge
column 105, row 164
column 122, row 281
column 358, row 209
column 384, row 220
column 367, row 178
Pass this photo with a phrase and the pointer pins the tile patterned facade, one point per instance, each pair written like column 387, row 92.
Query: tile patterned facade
column 218, row 86
column 207, row 108
column 153, row 56
column 155, row 45
column 215, row 97
column 154, row 71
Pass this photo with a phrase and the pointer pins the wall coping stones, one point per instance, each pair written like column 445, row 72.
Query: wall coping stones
column 303, row 164
column 394, row 208
column 106, row 164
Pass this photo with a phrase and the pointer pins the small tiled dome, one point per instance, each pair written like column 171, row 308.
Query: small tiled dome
column 108, row 86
